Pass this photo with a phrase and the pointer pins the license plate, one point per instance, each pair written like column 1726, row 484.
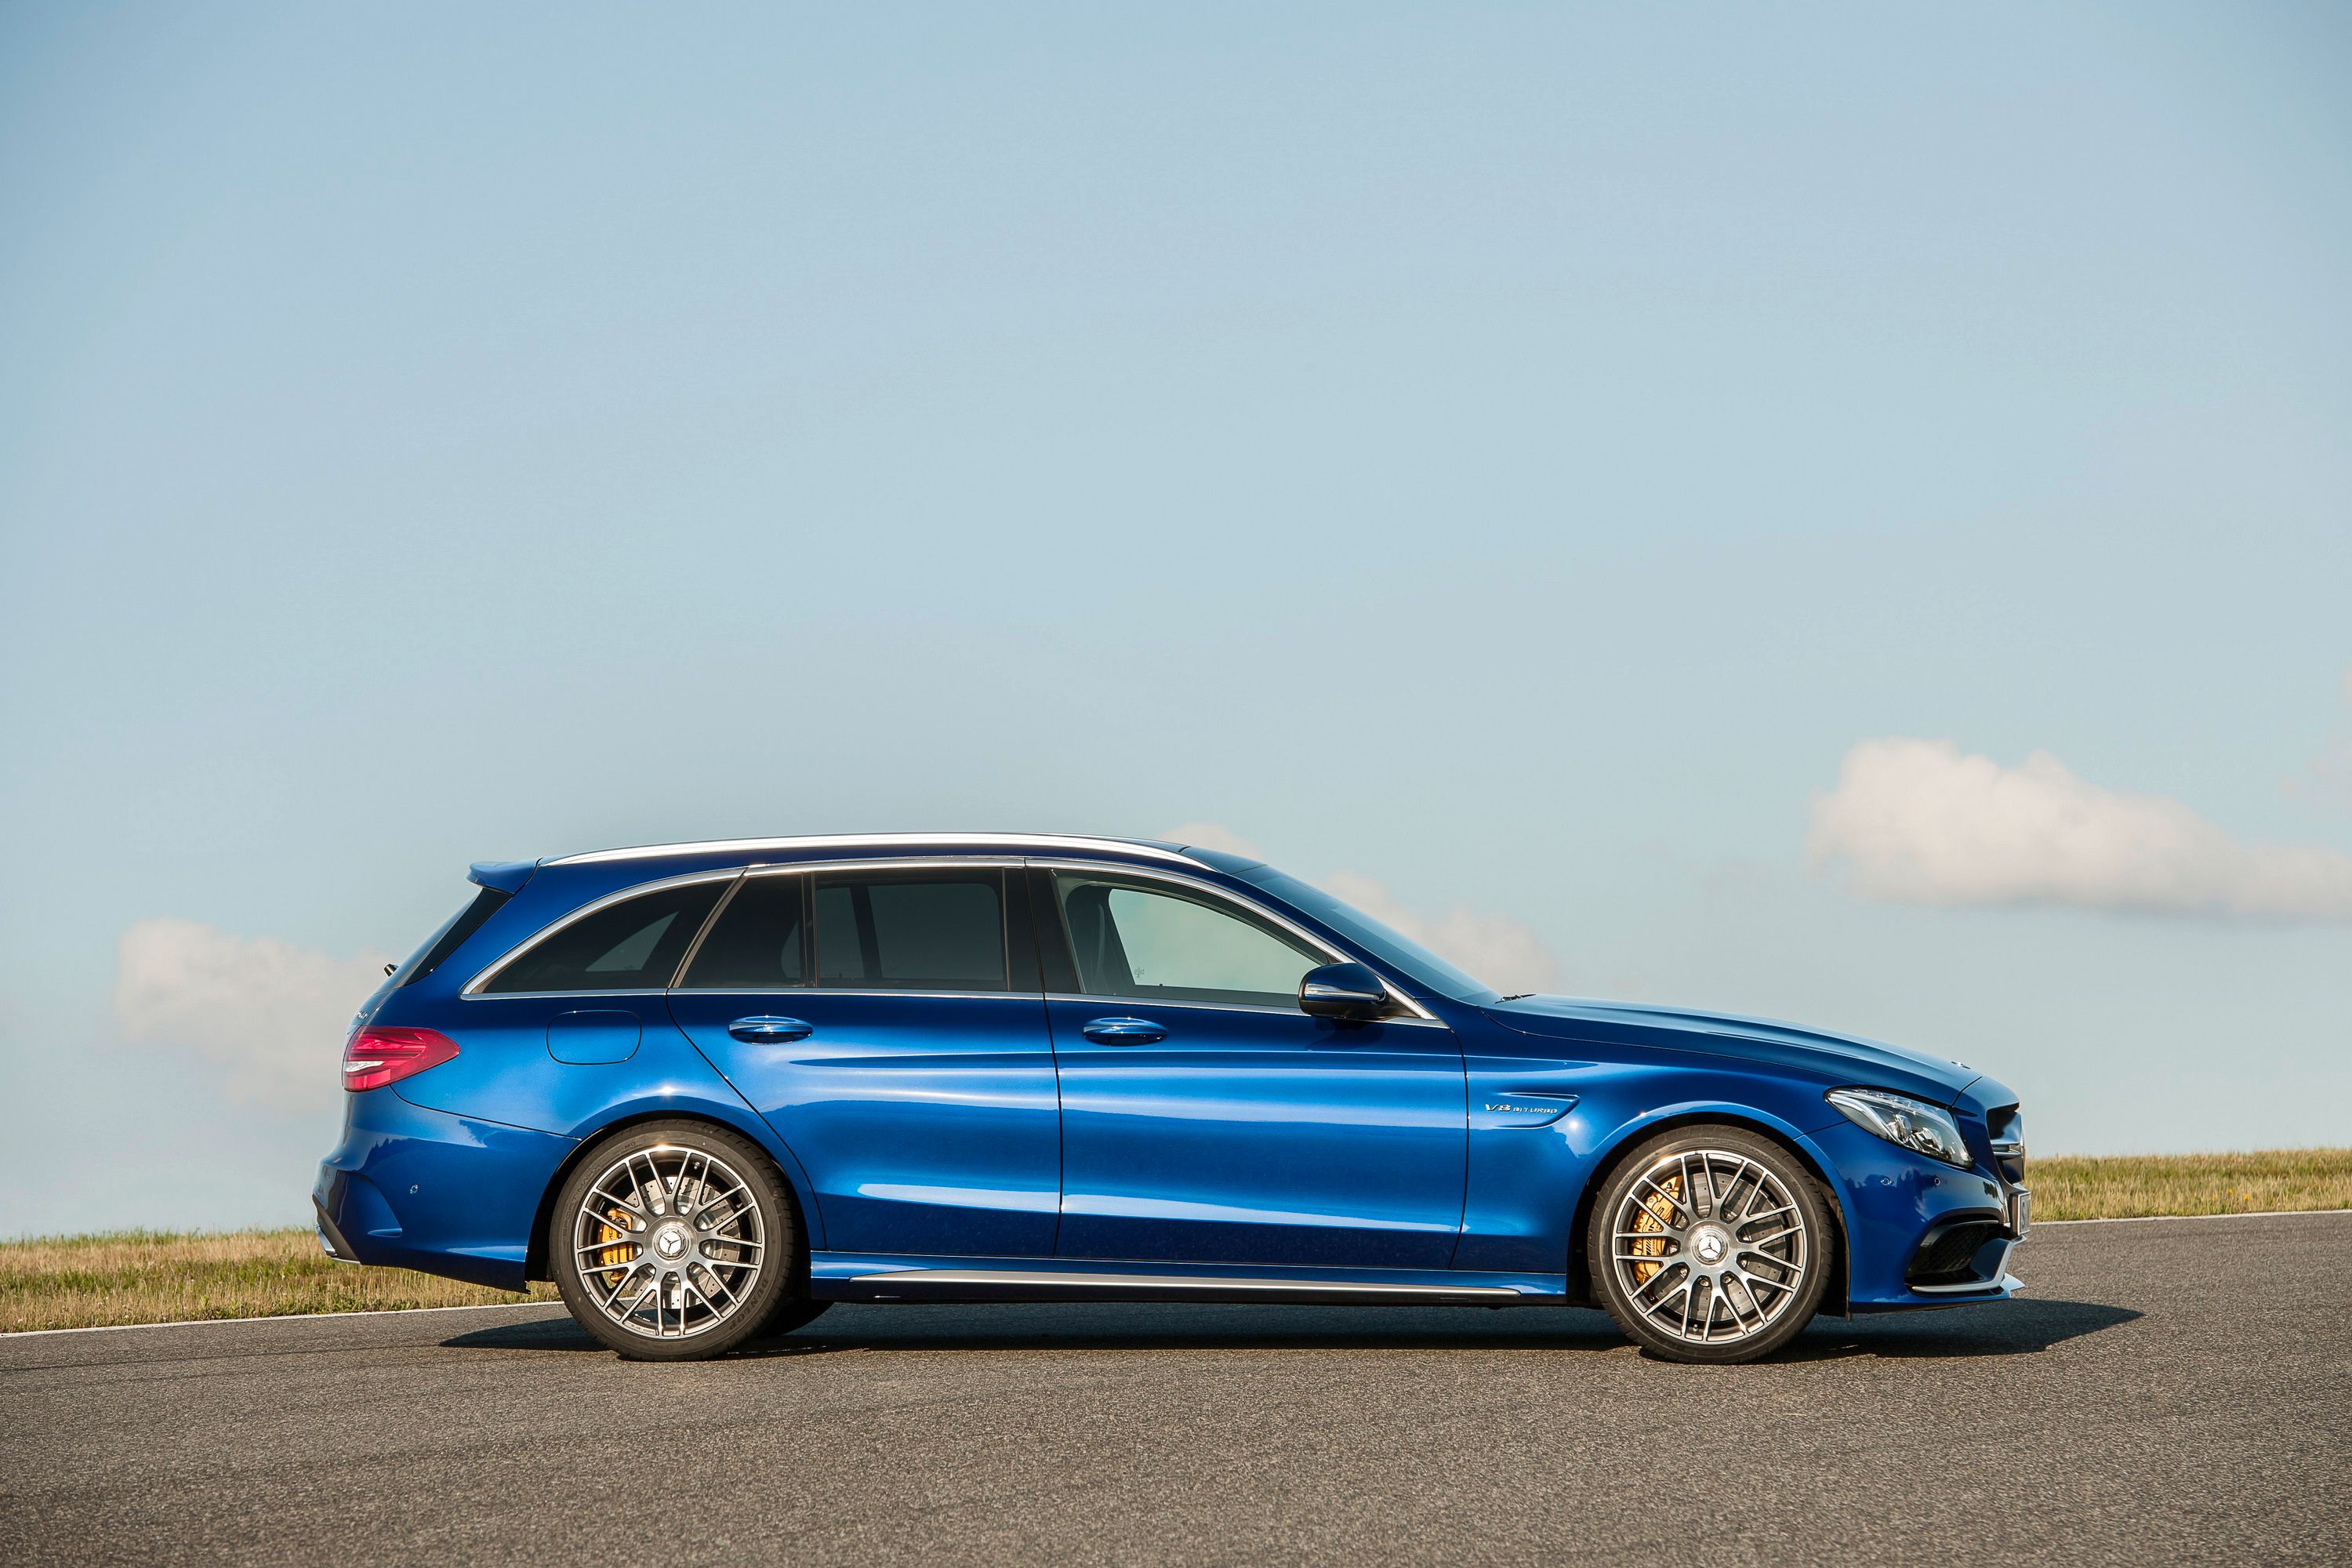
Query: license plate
column 2020, row 1211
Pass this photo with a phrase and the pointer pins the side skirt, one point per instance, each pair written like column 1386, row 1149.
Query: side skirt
column 871, row 1277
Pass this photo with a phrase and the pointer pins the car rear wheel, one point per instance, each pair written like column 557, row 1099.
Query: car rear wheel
column 1708, row 1243
column 675, row 1241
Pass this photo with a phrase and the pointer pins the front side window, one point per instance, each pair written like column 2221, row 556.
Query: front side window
column 911, row 931
column 758, row 942
column 1150, row 941
column 633, row 945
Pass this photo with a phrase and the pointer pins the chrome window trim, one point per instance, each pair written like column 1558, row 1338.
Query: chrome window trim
column 1210, row 891
column 865, row 993
column 1010, row 841
column 1225, row 895
column 551, row 995
column 1157, row 1002
column 473, row 988
column 709, row 924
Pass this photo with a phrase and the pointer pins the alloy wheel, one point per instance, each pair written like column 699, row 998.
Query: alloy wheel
column 1710, row 1246
column 669, row 1242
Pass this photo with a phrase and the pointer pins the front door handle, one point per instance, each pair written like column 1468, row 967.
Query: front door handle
column 765, row 1031
column 1124, row 1031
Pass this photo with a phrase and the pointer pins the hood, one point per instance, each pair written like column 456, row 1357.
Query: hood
column 1846, row 1058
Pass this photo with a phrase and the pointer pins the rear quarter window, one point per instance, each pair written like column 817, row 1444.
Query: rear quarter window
column 633, row 945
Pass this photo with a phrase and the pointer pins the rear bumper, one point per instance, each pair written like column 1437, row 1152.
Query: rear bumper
column 331, row 1238
column 1897, row 1205
column 413, row 1188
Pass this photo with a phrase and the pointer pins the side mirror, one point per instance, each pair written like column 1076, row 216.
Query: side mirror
column 1347, row 992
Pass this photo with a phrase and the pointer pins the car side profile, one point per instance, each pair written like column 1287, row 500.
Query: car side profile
column 709, row 1090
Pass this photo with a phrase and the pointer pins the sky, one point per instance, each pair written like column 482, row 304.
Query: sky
column 1829, row 513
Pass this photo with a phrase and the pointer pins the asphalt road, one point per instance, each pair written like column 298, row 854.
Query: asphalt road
column 2167, row 1392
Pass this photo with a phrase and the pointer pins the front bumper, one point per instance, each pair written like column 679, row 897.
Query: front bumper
column 1919, row 1233
column 413, row 1188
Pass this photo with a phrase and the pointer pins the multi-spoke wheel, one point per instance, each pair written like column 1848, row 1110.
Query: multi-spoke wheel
column 1708, row 1243
column 673, row 1240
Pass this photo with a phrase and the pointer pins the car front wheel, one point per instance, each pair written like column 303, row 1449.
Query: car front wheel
column 1708, row 1243
column 675, row 1241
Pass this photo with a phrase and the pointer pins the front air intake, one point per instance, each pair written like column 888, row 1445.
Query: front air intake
column 1959, row 1255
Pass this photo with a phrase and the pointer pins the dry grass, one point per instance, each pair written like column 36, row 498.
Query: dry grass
column 152, row 1277
column 2129, row 1187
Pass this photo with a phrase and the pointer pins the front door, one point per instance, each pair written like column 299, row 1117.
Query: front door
column 1206, row 1119
column 872, row 1017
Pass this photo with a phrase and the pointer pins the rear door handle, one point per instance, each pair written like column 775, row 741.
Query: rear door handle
column 1124, row 1031
column 765, row 1031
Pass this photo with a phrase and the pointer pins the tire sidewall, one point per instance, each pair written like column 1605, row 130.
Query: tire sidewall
column 1821, row 1234
column 769, row 1295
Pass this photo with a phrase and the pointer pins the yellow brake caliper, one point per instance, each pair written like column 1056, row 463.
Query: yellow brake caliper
column 613, row 1259
column 1657, row 1213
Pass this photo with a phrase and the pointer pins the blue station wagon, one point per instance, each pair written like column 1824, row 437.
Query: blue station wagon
column 709, row 1090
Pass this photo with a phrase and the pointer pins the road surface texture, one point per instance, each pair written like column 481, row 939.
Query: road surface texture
column 2168, row 1392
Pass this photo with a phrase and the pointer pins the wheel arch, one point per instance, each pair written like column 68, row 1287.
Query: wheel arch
column 1613, row 1155
column 787, row 1166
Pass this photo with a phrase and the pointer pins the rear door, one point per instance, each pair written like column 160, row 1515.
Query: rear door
column 1205, row 1119
column 886, row 1021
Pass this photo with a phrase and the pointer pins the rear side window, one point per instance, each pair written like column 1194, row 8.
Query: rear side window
column 633, row 945
column 450, row 937
column 915, row 930
column 760, row 941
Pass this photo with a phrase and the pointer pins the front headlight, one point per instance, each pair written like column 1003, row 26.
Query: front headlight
column 1899, row 1119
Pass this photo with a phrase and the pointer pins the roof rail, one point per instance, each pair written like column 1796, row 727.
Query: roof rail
column 1154, row 850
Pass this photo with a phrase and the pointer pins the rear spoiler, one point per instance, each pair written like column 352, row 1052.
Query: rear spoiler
column 505, row 876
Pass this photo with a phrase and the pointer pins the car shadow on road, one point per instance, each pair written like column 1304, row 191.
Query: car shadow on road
column 1096, row 1325
column 2024, row 1326
column 2009, row 1327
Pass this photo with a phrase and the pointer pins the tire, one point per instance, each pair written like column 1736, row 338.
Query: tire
column 1689, row 1284
column 675, row 1241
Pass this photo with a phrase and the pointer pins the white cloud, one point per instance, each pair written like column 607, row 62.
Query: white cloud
column 1497, row 948
column 273, row 1014
column 1918, row 822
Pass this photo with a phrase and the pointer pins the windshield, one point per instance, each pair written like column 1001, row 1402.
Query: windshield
column 1392, row 948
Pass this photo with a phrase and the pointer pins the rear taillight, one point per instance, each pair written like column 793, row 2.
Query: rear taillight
column 385, row 1054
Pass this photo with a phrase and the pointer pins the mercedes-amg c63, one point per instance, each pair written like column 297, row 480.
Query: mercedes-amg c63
column 710, row 1088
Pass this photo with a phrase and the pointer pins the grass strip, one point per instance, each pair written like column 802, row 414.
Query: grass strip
column 2143, row 1186
column 159, row 1276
